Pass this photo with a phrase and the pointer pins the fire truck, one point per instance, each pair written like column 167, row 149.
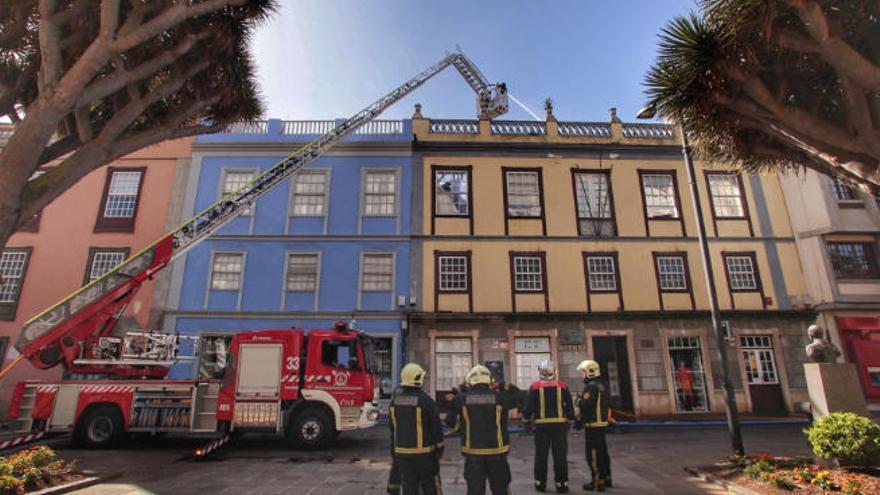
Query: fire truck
column 309, row 386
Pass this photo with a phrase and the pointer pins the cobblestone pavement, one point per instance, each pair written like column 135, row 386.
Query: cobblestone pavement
column 648, row 461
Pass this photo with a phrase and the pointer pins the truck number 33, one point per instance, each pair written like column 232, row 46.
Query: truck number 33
column 292, row 363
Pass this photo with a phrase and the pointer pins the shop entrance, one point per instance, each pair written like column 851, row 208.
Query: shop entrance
column 611, row 354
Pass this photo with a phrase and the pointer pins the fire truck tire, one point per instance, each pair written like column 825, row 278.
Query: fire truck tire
column 311, row 428
column 100, row 427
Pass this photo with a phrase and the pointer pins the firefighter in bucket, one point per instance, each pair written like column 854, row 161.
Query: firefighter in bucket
column 416, row 434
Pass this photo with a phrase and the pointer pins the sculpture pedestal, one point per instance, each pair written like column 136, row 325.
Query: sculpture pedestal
column 834, row 387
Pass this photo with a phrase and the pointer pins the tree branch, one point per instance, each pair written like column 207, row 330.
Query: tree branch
column 51, row 61
column 109, row 19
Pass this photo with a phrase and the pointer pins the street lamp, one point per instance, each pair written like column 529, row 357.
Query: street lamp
column 733, row 428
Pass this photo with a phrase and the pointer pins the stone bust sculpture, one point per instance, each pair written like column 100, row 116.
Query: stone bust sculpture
column 820, row 350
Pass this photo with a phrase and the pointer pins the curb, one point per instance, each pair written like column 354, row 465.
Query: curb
column 727, row 485
column 74, row 485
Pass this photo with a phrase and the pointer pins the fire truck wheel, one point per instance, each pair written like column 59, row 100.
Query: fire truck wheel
column 311, row 429
column 100, row 427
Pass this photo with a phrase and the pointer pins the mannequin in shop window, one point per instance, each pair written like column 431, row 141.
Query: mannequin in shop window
column 685, row 380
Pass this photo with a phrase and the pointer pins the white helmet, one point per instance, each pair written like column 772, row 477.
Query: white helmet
column 546, row 370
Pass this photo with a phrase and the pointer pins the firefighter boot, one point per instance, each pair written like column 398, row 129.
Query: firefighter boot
column 561, row 487
column 595, row 485
column 540, row 486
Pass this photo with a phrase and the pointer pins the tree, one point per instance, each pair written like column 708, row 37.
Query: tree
column 776, row 84
column 88, row 81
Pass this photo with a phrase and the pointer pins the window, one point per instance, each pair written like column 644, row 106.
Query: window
column 213, row 356
column 453, row 358
column 452, row 193
column 853, row 259
column 672, row 273
column 378, row 352
column 595, row 209
column 380, row 193
column 309, row 193
column 688, row 373
column 235, row 180
column 659, row 195
column 601, row 273
column 528, row 274
column 530, row 352
column 226, row 271
column 302, row 272
column 741, row 272
column 377, row 272
column 453, row 273
column 726, row 195
column 759, row 361
column 120, row 201
column 102, row 261
column 523, row 193
column 844, row 192
column 340, row 354
column 13, row 266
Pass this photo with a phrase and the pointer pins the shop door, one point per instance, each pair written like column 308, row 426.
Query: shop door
column 611, row 354
column 762, row 375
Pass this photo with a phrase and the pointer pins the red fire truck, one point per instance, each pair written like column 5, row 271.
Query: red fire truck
column 310, row 386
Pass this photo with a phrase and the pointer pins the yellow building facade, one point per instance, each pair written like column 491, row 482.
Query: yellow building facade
column 568, row 240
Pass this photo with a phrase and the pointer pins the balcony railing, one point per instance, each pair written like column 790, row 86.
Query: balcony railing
column 455, row 127
column 584, row 129
column 300, row 127
column 381, row 127
column 249, row 127
column 519, row 128
column 652, row 131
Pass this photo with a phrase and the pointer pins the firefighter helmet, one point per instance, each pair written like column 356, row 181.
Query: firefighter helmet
column 412, row 375
column 479, row 374
column 589, row 368
column 546, row 370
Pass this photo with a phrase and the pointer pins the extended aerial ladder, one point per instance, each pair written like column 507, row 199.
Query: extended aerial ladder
column 76, row 331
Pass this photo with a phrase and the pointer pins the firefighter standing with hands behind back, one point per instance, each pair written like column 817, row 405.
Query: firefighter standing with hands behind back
column 480, row 415
column 594, row 411
column 416, row 434
column 549, row 407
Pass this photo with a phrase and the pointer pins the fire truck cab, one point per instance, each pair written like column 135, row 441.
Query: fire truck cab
column 308, row 386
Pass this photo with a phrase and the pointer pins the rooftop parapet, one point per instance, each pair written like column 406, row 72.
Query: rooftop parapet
column 276, row 130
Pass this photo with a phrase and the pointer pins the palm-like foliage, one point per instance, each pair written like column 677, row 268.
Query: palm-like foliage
column 776, row 84
column 87, row 81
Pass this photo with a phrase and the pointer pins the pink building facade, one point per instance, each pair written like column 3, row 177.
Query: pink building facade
column 110, row 214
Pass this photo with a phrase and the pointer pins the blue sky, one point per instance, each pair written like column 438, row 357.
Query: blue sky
column 321, row 59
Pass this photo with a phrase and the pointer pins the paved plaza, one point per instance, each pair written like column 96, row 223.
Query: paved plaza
column 646, row 461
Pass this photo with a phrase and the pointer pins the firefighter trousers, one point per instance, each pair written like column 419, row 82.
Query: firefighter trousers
column 551, row 437
column 393, row 477
column 492, row 468
column 597, row 454
column 419, row 472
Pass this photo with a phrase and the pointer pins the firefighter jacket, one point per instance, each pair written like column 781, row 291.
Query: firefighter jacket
column 480, row 416
column 548, row 401
column 593, row 404
column 415, row 423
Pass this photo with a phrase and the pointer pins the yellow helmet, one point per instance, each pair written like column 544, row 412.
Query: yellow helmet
column 479, row 374
column 589, row 368
column 412, row 375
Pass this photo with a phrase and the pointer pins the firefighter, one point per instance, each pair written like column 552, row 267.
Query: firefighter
column 549, row 408
column 416, row 434
column 393, row 487
column 594, row 414
column 480, row 416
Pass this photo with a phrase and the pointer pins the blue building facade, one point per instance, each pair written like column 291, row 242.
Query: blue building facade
column 331, row 243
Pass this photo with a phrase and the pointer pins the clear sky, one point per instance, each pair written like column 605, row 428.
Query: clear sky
column 322, row 59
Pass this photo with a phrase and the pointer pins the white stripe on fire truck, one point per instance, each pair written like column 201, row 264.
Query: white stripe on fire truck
column 12, row 442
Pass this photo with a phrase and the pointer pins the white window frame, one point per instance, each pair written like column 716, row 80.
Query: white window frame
column 525, row 369
column 394, row 194
column 735, row 276
column 363, row 273
column 593, row 192
column 224, row 190
column 601, row 275
column 726, row 194
column 105, row 251
column 458, row 372
column 706, row 370
column 452, row 195
column 683, row 274
column 13, row 267
column 760, row 347
column 325, row 195
column 214, row 256
column 522, row 199
column 453, row 275
column 660, row 199
column 316, row 256
column 133, row 197
column 528, row 284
